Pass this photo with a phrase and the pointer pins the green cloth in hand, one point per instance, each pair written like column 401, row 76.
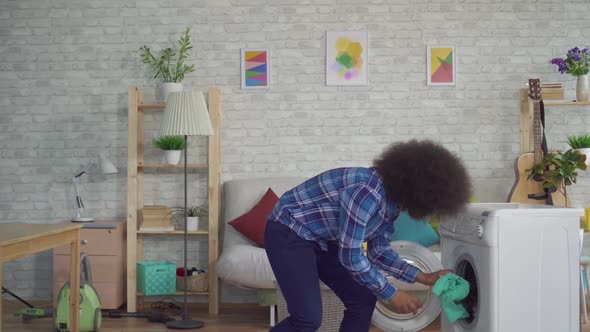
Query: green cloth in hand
column 451, row 288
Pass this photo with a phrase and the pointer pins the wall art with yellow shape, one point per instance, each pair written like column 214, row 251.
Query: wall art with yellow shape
column 346, row 58
column 441, row 65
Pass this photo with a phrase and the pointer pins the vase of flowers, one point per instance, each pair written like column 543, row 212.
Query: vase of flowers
column 169, row 65
column 577, row 64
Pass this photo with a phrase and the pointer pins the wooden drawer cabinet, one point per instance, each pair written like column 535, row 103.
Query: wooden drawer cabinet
column 106, row 251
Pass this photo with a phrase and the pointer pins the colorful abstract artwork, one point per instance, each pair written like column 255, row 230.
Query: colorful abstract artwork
column 255, row 68
column 441, row 65
column 346, row 58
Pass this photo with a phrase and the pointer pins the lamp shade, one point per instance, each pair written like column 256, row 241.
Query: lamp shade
column 186, row 114
column 106, row 166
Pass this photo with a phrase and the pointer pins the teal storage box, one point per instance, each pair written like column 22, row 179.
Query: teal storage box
column 156, row 277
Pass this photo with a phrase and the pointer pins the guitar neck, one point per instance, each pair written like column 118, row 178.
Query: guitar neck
column 537, row 131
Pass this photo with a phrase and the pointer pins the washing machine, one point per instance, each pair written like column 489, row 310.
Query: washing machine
column 522, row 263
column 427, row 260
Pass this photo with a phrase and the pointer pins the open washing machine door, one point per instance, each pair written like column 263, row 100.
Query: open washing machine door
column 385, row 318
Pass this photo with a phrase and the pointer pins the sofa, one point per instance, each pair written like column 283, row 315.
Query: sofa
column 242, row 262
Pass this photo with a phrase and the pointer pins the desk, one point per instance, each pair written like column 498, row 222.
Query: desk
column 18, row 240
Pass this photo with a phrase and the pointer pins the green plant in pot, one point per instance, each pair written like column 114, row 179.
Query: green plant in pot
column 193, row 214
column 172, row 146
column 580, row 143
column 558, row 170
column 169, row 64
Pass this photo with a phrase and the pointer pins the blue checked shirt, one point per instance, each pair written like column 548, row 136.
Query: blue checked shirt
column 350, row 206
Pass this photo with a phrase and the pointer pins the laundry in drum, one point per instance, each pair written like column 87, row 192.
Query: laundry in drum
column 451, row 289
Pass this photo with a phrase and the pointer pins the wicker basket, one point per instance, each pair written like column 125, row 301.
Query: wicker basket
column 332, row 309
column 195, row 283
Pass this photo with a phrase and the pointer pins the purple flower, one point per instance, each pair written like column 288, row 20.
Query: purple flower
column 573, row 51
column 576, row 62
column 557, row 61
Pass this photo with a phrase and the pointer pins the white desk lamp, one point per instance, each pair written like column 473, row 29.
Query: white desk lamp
column 105, row 166
column 185, row 115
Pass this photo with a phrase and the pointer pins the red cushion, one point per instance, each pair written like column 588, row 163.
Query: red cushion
column 252, row 223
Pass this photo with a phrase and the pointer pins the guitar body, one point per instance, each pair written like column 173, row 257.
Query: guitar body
column 559, row 199
column 523, row 187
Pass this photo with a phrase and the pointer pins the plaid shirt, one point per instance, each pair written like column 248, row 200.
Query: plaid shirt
column 350, row 206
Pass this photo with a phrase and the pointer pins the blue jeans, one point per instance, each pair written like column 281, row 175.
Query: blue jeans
column 298, row 265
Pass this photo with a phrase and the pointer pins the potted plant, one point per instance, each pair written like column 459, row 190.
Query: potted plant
column 580, row 143
column 193, row 214
column 558, row 170
column 172, row 146
column 577, row 64
column 170, row 66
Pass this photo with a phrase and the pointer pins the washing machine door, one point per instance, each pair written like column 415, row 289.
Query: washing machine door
column 385, row 318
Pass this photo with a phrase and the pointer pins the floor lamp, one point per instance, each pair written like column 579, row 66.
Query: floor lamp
column 185, row 115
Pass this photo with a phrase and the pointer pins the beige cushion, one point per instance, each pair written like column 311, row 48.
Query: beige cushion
column 246, row 265
column 241, row 261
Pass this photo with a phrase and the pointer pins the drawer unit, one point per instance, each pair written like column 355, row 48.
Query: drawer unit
column 106, row 252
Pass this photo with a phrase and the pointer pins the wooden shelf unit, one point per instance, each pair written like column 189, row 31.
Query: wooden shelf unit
column 181, row 166
column 526, row 117
column 197, row 232
column 177, row 293
column 565, row 103
column 135, row 201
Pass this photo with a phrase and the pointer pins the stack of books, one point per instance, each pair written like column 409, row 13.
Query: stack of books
column 156, row 218
column 552, row 91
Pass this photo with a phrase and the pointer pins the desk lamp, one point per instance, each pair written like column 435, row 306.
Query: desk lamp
column 105, row 166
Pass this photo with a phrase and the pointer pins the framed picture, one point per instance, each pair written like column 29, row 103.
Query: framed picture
column 441, row 65
column 346, row 57
column 255, row 69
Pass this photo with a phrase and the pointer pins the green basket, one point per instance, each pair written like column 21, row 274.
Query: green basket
column 156, row 277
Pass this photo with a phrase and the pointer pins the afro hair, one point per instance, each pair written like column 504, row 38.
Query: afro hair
column 424, row 177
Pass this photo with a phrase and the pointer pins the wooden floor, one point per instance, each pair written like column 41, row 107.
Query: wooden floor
column 234, row 317
column 238, row 318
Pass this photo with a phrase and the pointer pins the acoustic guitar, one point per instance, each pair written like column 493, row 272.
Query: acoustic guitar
column 525, row 190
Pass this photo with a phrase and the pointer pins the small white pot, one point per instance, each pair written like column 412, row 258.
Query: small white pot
column 192, row 223
column 167, row 88
column 585, row 151
column 173, row 156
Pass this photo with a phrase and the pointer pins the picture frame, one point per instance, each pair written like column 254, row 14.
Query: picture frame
column 255, row 69
column 347, row 58
column 441, row 65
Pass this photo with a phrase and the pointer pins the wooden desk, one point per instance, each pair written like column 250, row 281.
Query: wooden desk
column 19, row 239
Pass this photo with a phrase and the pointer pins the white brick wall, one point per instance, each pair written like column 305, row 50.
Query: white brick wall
column 65, row 67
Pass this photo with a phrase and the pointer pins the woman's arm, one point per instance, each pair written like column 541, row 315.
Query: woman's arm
column 380, row 254
column 358, row 204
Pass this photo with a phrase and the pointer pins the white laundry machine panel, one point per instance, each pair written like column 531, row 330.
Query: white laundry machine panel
column 478, row 265
column 522, row 262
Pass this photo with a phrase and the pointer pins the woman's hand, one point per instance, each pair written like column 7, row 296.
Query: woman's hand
column 430, row 279
column 404, row 303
